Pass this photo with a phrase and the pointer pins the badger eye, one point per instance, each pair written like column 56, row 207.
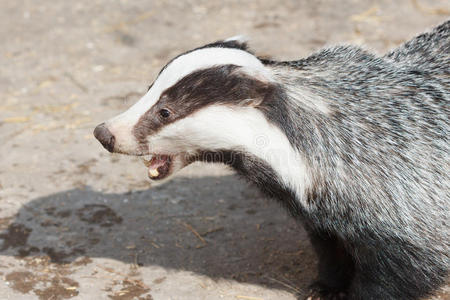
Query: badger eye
column 164, row 113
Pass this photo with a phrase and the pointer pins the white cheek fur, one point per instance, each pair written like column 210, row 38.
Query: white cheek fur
column 237, row 128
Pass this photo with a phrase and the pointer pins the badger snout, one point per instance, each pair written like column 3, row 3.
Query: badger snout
column 105, row 137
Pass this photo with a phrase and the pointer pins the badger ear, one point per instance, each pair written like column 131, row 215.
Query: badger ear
column 241, row 39
column 237, row 41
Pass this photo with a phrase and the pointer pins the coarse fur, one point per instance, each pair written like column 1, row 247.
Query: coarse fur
column 354, row 145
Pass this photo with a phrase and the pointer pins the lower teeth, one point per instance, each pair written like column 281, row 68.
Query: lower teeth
column 153, row 172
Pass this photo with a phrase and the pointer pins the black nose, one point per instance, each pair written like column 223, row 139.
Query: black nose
column 105, row 137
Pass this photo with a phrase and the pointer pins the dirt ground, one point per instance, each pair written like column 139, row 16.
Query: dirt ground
column 79, row 223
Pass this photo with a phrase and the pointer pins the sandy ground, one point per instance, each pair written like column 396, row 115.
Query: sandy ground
column 77, row 222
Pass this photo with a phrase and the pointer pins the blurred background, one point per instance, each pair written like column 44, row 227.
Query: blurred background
column 77, row 222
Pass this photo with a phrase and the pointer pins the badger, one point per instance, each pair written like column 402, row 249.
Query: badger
column 354, row 145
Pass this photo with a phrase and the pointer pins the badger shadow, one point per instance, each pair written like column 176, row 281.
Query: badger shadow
column 215, row 226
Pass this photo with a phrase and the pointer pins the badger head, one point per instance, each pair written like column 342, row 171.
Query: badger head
column 206, row 104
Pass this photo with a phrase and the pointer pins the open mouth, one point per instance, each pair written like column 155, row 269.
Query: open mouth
column 159, row 166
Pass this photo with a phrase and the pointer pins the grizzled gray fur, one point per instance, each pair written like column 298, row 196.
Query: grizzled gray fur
column 381, row 165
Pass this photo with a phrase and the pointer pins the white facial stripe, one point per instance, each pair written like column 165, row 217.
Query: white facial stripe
column 221, row 127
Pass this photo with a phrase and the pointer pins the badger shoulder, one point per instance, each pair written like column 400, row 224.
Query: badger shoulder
column 416, row 70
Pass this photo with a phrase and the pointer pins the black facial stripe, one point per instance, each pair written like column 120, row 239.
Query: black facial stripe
column 224, row 85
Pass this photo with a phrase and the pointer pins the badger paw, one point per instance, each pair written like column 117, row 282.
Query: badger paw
column 318, row 291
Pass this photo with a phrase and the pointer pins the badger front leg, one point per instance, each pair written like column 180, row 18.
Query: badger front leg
column 365, row 286
column 335, row 267
column 395, row 271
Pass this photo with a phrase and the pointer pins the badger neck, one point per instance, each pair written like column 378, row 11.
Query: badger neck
column 276, row 143
column 304, row 117
column 302, row 108
column 317, row 105
column 293, row 153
